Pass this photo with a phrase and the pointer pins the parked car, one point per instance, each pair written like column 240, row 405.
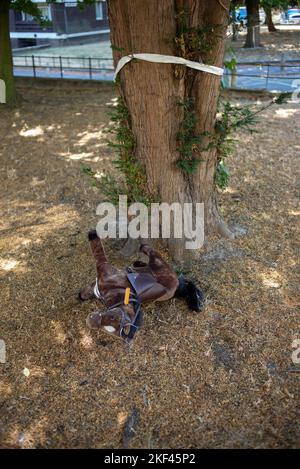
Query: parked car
column 290, row 16
column 292, row 11
column 241, row 15
column 295, row 18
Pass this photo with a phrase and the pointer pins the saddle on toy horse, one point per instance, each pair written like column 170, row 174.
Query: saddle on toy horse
column 124, row 292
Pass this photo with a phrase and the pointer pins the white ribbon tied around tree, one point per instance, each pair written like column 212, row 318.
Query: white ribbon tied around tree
column 168, row 59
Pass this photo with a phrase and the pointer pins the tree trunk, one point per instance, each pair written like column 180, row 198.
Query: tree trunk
column 253, row 28
column 6, row 64
column 152, row 92
column 269, row 20
column 233, row 19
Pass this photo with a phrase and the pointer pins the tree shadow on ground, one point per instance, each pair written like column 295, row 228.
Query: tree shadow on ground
column 219, row 378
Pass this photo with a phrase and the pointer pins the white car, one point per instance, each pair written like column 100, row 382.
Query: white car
column 290, row 15
column 294, row 18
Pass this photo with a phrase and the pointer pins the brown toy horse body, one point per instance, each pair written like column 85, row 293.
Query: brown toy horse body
column 155, row 281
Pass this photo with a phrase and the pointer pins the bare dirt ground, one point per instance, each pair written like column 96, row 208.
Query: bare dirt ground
column 220, row 378
column 284, row 43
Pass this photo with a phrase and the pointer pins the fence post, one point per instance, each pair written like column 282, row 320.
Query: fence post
column 282, row 59
column 33, row 66
column 90, row 67
column 233, row 78
column 60, row 66
column 268, row 74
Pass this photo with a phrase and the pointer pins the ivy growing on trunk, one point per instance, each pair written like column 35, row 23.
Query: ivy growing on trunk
column 130, row 179
column 230, row 119
column 195, row 41
column 187, row 142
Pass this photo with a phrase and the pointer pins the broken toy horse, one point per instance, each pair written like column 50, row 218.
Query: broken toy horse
column 123, row 292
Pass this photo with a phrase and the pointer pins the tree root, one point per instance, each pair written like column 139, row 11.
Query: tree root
column 223, row 229
column 15, row 102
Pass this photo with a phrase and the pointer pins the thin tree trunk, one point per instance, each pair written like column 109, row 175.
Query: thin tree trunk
column 152, row 92
column 233, row 19
column 269, row 20
column 6, row 63
column 253, row 27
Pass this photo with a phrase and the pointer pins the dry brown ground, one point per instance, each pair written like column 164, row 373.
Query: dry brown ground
column 221, row 378
column 284, row 41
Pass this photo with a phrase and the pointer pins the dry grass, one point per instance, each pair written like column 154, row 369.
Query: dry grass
column 283, row 42
column 220, row 378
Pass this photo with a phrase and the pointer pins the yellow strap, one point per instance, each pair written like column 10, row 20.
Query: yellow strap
column 127, row 295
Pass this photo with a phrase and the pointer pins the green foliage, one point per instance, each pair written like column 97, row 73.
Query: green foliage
column 230, row 119
column 188, row 142
column 81, row 3
column 222, row 175
column 118, row 49
column 87, row 170
column 281, row 99
column 132, row 180
column 269, row 4
column 192, row 42
column 31, row 8
column 231, row 64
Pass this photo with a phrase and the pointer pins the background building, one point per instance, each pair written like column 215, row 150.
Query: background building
column 69, row 25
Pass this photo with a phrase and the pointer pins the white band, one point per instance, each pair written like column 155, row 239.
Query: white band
column 168, row 59
column 96, row 290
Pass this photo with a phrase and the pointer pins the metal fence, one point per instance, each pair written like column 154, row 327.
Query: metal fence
column 273, row 75
column 90, row 68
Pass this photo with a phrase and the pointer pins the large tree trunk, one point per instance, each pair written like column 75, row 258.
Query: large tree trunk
column 253, row 28
column 6, row 65
column 152, row 92
column 269, row 20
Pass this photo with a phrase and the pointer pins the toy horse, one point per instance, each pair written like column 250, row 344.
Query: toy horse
column 123, row 292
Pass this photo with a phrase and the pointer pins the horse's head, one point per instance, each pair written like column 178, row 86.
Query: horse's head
column 120, row 320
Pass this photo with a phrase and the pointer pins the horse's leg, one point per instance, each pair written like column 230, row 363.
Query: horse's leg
column 166, row 276
column 102, row 264
column 108, row 276
column 98, row 251
column 162, row 271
